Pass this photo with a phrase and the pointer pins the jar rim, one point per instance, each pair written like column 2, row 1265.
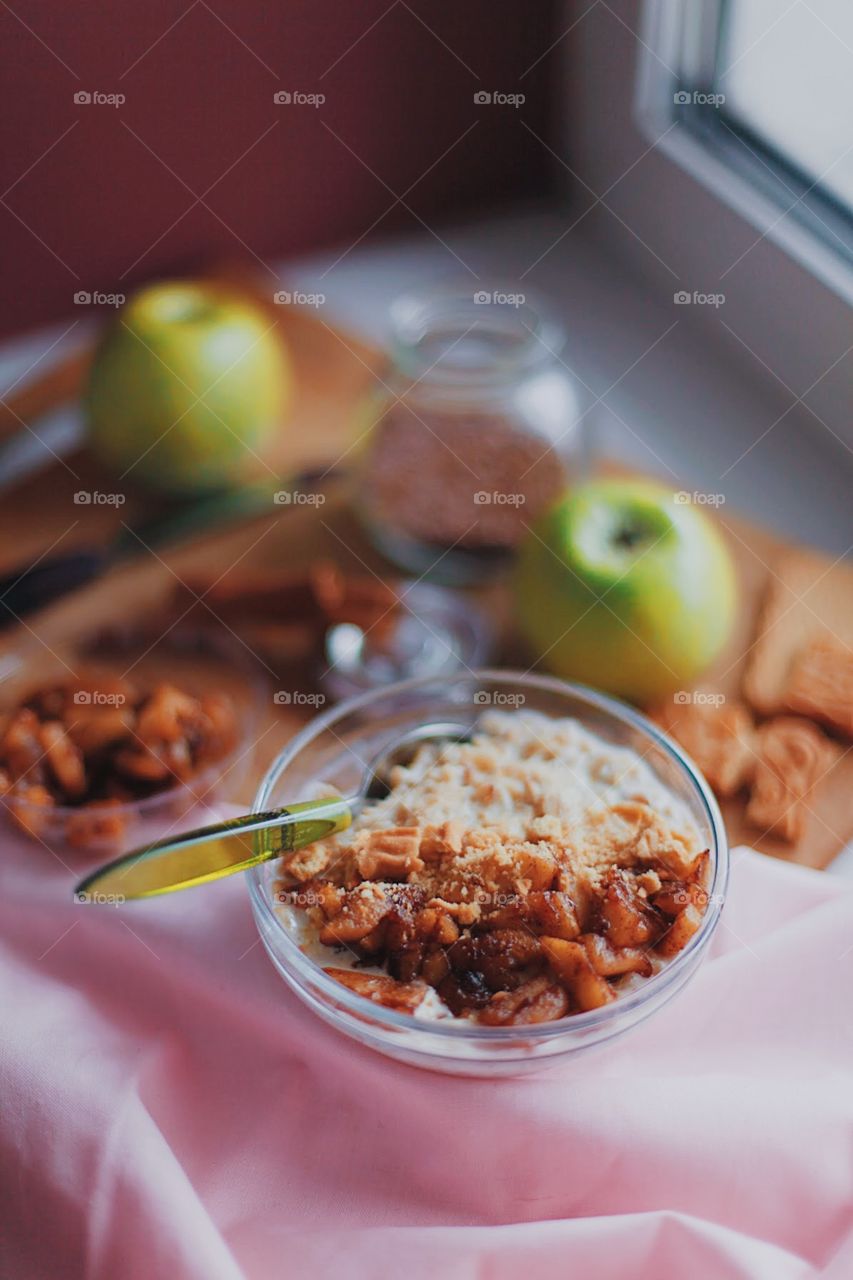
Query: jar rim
column 513, row 331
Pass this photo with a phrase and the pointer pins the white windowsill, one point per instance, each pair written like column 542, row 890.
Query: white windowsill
column 688, row 409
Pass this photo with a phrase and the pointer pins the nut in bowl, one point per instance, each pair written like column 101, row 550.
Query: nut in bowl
column 112, row 739
column 542, row 880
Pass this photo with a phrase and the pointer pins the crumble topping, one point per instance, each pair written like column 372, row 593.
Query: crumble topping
column 529, row 874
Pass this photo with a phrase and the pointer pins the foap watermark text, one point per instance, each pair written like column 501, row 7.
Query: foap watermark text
column 293, row 298
column 698, row 698
column 95, row 498
column 496, row 498
column 497, row 698
column 684, row 298
column 497, row 98
column 295, row 98
column 698, row 98
column 85, row 98
column 298, row 698
column 83, row 298
column 496, row 298
column 696, row 499
column 298, row 498
column 98, row 698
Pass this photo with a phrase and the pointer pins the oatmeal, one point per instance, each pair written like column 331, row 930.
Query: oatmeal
column 529, row 874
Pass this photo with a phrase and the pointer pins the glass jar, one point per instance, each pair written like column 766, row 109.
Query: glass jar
column 475, row 429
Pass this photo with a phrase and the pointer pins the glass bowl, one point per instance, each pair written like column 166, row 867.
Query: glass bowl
column 196, row 660
column 334, row 747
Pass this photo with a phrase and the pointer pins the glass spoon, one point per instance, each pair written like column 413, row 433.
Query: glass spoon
column 209, row 853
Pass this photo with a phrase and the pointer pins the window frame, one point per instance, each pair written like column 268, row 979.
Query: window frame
column 680, row 47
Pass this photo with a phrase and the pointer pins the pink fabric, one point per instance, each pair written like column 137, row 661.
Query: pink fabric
column 170, row 1110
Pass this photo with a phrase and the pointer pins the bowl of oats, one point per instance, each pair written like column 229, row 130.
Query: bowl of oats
column 539, row 872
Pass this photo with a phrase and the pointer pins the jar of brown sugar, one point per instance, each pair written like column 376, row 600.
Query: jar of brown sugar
column 474, row 430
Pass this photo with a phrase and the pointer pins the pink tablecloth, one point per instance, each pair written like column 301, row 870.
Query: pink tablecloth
column 170, row 1110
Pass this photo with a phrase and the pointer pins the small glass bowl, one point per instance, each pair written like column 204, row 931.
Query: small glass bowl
column 334, row 747
column 196, row 660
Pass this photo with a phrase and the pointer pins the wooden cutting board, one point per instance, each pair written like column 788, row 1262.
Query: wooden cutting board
column 334, row 371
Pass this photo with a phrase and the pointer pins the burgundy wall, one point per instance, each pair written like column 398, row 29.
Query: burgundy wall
column 95, row 209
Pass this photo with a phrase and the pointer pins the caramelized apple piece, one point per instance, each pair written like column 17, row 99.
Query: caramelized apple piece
column 329, row 898
column 434, row 925
column 699, row 870
column 63, row 758
column 672, row 898
column 51, row 701
column 500, row 957
column 20, row 747
column 93, row 729
column 362, row 910
column 512, row 913
column 166, row 715
column 435, row 967
column 217, row 731
column 610, row 961
column 402, row 996
column 541, row 911
column 464, row 991
column 535, row 870
column 680, row 931
column 675, row 895
column 31, row 808
column 539, row 1000
column 571, row 964
column 553, row 913
column 626, row 921
column 142, row 764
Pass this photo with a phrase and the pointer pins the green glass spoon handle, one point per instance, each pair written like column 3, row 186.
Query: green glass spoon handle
column 209, row 853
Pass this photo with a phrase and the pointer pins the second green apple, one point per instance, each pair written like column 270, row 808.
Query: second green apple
column 626, row 586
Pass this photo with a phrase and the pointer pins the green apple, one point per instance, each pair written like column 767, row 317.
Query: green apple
column 187, row 387
column 625, row 586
